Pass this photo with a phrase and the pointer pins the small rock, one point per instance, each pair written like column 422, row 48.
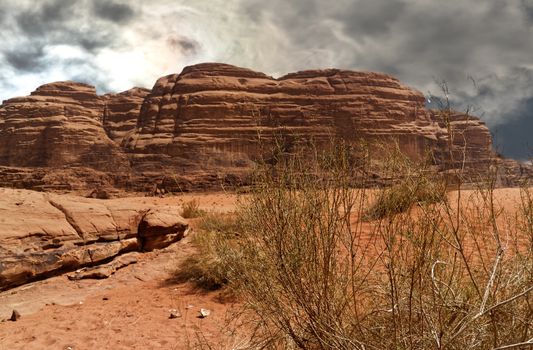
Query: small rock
column 204, row 313
column 189, row 306
column 174, row 313
column 105, row 298
column 15, row 316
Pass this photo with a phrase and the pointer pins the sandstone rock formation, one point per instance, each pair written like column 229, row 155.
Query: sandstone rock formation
column 121, row 112
column 212, row 113
column 200, row 128
column 105, row 270
column 59, row 124
column 42, row 234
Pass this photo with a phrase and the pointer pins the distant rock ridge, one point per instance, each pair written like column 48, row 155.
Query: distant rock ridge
column 58, row 124
column 199, row 129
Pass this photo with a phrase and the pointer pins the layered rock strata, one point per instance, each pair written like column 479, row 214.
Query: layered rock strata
column 207, row 126
column 58, row 124
column 211, row 116
column 43, row 234
column 121, row 112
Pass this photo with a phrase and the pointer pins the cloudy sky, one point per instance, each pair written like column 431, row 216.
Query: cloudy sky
column 483, row 49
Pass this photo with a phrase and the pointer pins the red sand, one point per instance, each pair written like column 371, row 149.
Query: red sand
column 129, row 310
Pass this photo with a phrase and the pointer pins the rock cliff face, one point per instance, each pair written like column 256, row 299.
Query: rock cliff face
column 463, row 142
column 59, row 124
column 201, row 127
column 211, row 115
column 121, row 112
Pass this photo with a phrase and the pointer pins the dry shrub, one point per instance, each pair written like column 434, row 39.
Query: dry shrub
column 525, row 218
column 402, row 196
column 313, row 275
column 204, row 268
column 224, row 224
column 412, row 183
column 191, row 209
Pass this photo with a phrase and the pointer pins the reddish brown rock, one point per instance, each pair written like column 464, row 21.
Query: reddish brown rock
column 464, row 142
column 203, row 128
column 512, row 173
column 208, row 119
column 42, row 234
column 105, row 270
column 58, row 124
column 121, row 112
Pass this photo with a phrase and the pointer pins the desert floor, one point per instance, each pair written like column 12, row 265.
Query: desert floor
column 130, row 310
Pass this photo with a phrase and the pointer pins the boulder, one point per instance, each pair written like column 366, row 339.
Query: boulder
column 43, row 234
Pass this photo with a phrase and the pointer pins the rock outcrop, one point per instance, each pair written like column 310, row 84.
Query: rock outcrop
column 201, row 128
column 209, row 118
column 464, row 142
column 42, row 234
column 121, row 112
column 59, row 124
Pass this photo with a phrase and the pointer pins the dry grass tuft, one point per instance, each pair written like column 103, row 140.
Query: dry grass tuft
column 400, row 197
column 205, row 268
column 191, row 210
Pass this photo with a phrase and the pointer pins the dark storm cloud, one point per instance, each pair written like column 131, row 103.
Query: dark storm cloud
column 187, row 46
column 436, row 38
column 26, row 60
column 301, row 21
column 113, row 11
column 527, row 6
column 58, row 21
column 57, row 10
column 184, row 45
column 58, row 38
column 447, row 42
column 93, row 43
column 41, row 25
column 514, row 137
column 371, row 17
column 39, row 21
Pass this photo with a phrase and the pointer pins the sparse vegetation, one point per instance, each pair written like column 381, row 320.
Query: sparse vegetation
column 204, row 268
column 399, row 197
column 454, row 274
column 191, row 209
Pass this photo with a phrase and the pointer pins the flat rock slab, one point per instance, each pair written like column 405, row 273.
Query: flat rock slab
column 106, row 270
column 44, row 234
